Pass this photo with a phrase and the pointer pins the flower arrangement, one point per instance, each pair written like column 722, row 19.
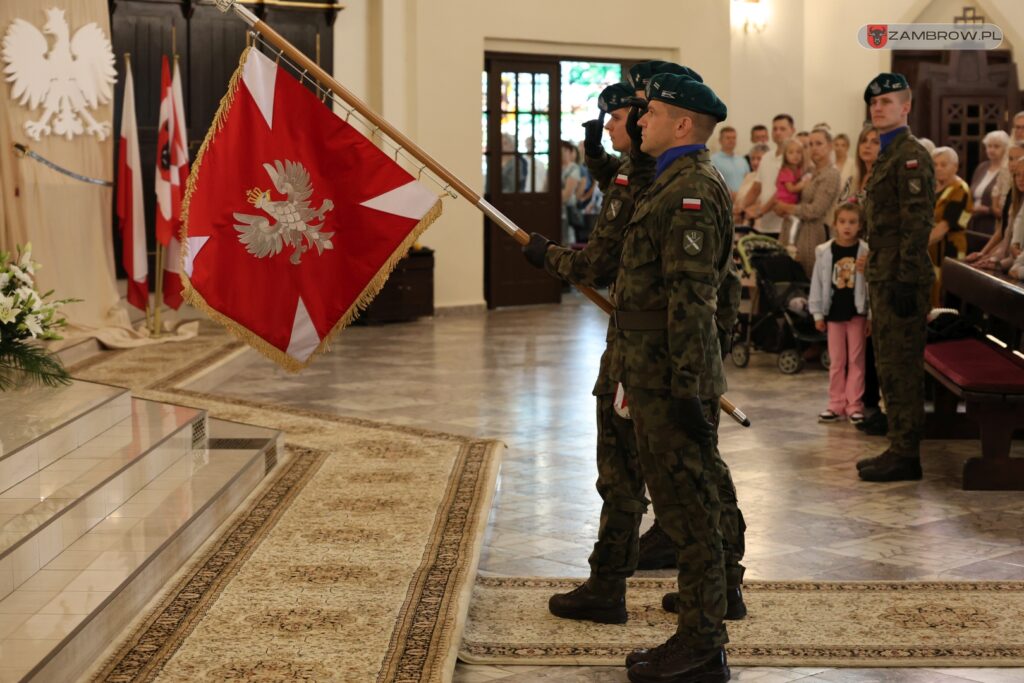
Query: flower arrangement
column 25, row 316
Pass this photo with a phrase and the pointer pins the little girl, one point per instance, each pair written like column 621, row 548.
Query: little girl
column 788, row 185
column 791, row 181
column 838, row 302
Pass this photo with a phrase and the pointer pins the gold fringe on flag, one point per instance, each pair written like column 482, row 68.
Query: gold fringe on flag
column 243, row 333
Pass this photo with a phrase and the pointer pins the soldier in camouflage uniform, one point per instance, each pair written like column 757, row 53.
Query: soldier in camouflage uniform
column 899, row 205
column 666, row 352
column 619, row 481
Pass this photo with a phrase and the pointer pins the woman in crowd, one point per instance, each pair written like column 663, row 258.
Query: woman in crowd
column 953, row 204
column 571, row 176
column 998, row 247
column 991, row 183
column 816, row 200
column 868, row 149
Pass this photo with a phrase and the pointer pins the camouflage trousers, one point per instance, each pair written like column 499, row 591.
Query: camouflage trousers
column 620, row 484
column 683, row 480
column 621, row 487
column 899, row 357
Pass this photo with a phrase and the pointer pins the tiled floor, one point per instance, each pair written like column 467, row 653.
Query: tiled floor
column 524, row 376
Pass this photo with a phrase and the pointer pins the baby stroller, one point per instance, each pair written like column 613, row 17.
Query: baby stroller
column 778, row 321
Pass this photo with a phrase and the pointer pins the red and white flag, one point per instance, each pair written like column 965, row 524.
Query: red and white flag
column 129, row 201
column 177, row 175
column 293, row 218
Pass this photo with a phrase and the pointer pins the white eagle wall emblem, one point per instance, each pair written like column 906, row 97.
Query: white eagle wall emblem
column 296, row 219
column 73, row 76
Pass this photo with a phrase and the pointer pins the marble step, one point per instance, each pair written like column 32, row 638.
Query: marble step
column 50, row 510
column 40, row 425
column 56, row 626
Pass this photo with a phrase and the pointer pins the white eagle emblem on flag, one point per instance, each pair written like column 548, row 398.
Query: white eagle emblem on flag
column 69, row 79
column 296, row 219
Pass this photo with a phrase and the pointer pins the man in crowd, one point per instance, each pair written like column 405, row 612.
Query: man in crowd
column 763, row 188
column 899, row 204
column 733, row 168
column 676, row 255
column 758, row 136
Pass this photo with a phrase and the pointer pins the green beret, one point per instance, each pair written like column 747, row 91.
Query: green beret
column 641, row 73
column 615, row 96
column 683, row 91
column 883, row 83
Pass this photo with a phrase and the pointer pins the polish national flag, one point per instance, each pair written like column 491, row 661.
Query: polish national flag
column 178, row 173
column 129, row 201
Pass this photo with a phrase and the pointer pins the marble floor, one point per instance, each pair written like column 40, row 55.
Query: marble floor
column 524, row 376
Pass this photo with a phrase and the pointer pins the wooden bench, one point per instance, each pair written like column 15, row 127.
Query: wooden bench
column 987, row 377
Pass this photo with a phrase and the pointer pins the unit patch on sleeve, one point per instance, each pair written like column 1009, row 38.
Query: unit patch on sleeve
column 693, row 242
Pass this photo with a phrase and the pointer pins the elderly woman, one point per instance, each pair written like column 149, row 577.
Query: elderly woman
column 952, row 214
column 998, row 248
column 816, row 201
column 991, row 183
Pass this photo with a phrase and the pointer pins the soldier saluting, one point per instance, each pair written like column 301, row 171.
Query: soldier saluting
column 667, row 354
column 899, row 205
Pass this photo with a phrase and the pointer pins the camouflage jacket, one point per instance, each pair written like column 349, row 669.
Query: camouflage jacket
column 899, row 203
column 596, row 264
column 605, row 168
column 677, row 261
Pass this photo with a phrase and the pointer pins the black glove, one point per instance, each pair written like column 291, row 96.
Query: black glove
column 725, row 341
column 638, row 109
column 592, row 137
column 903, row 299
column 688, row 413
column 535, row 250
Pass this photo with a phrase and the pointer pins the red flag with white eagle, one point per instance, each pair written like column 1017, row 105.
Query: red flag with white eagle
column 129, row 201
column 293, row 219
column 177, row 175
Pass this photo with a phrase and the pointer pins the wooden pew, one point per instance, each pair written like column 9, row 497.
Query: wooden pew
column 987, row 377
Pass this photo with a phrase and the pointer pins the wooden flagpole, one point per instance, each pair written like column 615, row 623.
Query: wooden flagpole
column 364, row 110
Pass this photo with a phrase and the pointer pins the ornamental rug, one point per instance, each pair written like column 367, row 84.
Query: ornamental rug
column 354, row 561
column 790, row 624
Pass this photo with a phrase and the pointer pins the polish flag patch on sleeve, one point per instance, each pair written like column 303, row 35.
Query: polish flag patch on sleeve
column 622, row 179
column 911, row 163
column 691, row 204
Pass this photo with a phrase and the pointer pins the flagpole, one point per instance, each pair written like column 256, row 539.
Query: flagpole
column 382, row 125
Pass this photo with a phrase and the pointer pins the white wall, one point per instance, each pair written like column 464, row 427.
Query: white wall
column 427, row 80
column 418, row 62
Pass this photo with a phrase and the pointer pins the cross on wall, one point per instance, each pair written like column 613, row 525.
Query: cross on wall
column 969, row 16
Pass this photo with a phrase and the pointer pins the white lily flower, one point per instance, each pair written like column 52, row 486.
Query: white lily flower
column 5, row 279
column 8, row 313
column 32, row 323
column 21, row 275
column 26, row 263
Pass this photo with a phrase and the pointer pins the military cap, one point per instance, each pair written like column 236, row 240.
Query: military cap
column 883, row 83
column 641, row 73
column 683, row 91
column 615, row 96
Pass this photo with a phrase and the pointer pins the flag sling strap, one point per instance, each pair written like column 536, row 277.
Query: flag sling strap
column 314, row 71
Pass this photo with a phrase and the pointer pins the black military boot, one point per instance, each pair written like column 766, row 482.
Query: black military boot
column 735, row 608
column 892, row 467
column 674, row 663
column 600, row 600
column 873, row 460
column 657, row 551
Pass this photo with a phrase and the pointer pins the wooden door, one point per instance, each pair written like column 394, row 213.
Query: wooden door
column 522, row 175
column 964, row 122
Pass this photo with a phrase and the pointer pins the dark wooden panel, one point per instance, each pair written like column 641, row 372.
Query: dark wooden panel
column 209, row 43
column 408, row 293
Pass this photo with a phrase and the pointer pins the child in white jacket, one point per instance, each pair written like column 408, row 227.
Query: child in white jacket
column 839, row 303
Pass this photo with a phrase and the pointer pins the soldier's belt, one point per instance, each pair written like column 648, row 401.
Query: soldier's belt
column 884, row 241
column 640, row 321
